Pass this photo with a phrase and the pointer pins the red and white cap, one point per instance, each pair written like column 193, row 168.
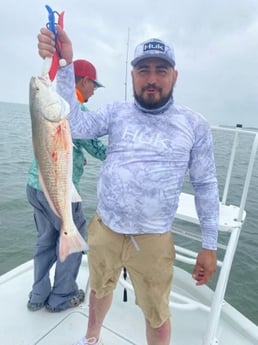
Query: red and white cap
column 84, row 68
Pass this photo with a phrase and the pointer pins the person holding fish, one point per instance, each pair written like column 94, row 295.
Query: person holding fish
column 64, row 293
column 152, row 143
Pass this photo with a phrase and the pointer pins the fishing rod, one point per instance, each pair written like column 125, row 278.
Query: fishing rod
column 126, row 62
column 126, row 73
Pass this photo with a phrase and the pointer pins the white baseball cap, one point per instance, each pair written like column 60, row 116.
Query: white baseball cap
column 154, row 48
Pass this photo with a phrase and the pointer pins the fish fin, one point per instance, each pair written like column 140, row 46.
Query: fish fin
column 41, row 181
column 71, row 242
column 75, row 195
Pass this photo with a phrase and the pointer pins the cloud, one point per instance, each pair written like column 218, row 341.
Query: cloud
column 215, row 44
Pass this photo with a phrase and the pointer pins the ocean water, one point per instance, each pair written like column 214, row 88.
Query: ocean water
column 17, row 231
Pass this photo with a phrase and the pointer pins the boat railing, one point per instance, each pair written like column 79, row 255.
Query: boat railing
column 238, row 130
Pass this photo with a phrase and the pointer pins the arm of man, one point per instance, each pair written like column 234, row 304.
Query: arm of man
column 82, row 125
column 203, row 178
column 95, row 148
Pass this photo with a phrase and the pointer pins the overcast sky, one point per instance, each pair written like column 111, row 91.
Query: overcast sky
column 215, row 42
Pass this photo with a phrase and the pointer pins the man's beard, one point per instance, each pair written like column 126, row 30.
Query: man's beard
column 151, row 103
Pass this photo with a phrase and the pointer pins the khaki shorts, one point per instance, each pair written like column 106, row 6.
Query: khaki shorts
column 150, row 268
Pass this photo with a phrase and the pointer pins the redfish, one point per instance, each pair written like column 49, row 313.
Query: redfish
column 53, row 148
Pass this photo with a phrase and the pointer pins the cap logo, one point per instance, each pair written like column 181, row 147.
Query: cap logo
column 154, row 46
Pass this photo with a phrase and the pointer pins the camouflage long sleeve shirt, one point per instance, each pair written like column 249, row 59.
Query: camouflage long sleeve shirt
column 148, row 157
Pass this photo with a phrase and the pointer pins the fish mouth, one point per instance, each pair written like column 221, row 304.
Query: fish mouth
column 46, row 101
column 33, row 82
column 37, row 81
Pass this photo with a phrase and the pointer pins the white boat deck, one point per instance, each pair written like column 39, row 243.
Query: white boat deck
column 124, row 324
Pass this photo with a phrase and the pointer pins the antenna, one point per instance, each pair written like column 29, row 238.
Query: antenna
column 126, row 62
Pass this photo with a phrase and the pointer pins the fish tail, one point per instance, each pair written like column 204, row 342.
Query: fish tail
column 71, row 242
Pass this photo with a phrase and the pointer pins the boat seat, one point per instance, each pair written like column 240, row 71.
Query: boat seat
column 228, row 214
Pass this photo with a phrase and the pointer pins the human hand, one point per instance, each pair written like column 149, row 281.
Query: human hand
column 205, row 267
column 46, row 44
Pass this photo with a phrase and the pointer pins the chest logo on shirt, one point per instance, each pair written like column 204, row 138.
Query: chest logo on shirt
column 139, row 136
